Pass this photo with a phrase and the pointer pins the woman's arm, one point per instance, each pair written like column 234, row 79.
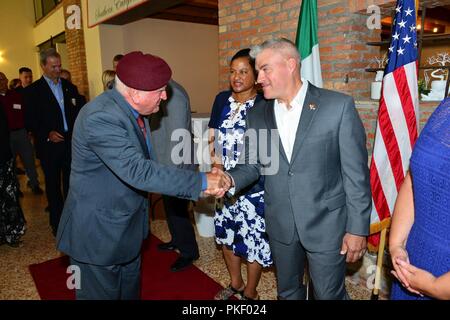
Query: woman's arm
column 425, row 283
column 402, row 221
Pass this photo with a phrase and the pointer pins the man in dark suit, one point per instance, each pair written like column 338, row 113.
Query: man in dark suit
column 51, row 107
column 175, row 114
column 105, row 217
column 317, row 192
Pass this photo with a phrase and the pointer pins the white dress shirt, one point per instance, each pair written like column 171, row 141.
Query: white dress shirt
column 288, row 119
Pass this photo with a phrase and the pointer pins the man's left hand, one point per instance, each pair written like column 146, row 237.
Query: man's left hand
column 354, row 246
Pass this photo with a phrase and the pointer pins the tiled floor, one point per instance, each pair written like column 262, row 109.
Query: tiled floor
column 39, row 245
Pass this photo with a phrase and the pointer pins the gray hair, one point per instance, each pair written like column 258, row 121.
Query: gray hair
column 45, row 54
column 283, row 45
column 120, row 86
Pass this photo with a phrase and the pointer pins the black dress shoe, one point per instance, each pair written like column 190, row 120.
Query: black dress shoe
column 169, row 246
column 181, row 263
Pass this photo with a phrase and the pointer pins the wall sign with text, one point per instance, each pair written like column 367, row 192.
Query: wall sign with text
column 102, row 10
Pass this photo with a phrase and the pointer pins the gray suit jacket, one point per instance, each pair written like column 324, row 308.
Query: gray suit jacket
column 105, row 216
column 173, row 114
column 324, row 191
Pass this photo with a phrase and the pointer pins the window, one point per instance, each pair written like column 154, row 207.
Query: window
column 51, row 43
column 44, row 7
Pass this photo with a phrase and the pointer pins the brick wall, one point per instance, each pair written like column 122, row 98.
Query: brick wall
column 342, row 37
column 76, row 53
column 343, row 34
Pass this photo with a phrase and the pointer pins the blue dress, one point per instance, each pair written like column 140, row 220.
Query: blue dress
column 239, row 222
column 428, row 243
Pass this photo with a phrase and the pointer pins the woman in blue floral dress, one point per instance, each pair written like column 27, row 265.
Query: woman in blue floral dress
column 239, row 221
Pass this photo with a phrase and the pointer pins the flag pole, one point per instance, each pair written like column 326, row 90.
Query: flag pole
column 385, row 225
column 417, row 10
column 381, row 246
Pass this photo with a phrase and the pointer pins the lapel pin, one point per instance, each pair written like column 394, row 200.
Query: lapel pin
column 312, row 106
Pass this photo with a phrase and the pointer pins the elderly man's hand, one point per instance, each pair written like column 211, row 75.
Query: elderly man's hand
column 218, row 183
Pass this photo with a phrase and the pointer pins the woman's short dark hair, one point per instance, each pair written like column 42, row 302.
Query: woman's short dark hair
column 245, row 53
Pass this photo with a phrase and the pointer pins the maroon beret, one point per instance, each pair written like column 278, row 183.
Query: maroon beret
column 143, row 72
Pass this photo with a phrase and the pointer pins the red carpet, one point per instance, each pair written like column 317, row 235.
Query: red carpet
column 157, row 281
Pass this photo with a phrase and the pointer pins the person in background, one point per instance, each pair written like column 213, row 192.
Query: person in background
column 108, row 79
column 419, row 238
column 175, row 114
column 12, row 221
column 105, row 217
column 51, row 108
column 239, row 222
column 19, row 140
column 116, row 60
column 26, row 78
column 14, row 84
column 65, row 74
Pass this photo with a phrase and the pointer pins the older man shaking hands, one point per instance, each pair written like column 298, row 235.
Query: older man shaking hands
column 105, row 217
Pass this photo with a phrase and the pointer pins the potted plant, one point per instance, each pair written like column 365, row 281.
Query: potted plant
column 437, row 92
column 375, row 87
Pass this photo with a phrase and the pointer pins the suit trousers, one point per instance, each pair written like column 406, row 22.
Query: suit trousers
column 180, row 226
column 326, row 269
column 21, row 145
column 114, row 282
column 55, row 162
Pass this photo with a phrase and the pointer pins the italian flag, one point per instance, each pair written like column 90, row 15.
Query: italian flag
column 308, row 44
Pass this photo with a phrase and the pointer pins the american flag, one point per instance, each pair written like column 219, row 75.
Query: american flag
column 398, row 117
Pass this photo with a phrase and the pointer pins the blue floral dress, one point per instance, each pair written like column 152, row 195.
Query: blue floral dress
column 239, row 221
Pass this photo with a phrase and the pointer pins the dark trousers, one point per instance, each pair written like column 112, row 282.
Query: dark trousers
column 55, row 163
column 180, row 226
column 21, row 145
column 326, row 269
column 115, row 282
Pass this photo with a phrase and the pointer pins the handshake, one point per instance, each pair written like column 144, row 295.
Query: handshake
column 218, row 183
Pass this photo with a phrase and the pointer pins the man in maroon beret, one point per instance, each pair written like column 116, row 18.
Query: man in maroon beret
column 105, row 217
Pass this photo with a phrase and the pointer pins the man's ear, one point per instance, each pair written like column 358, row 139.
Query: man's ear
column 134, row 95
column 292, row 64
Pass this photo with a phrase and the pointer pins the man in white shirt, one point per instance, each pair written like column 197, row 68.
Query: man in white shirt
column 318, row 202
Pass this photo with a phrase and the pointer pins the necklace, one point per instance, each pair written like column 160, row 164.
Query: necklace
column 237, row 110
column 239, row 104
